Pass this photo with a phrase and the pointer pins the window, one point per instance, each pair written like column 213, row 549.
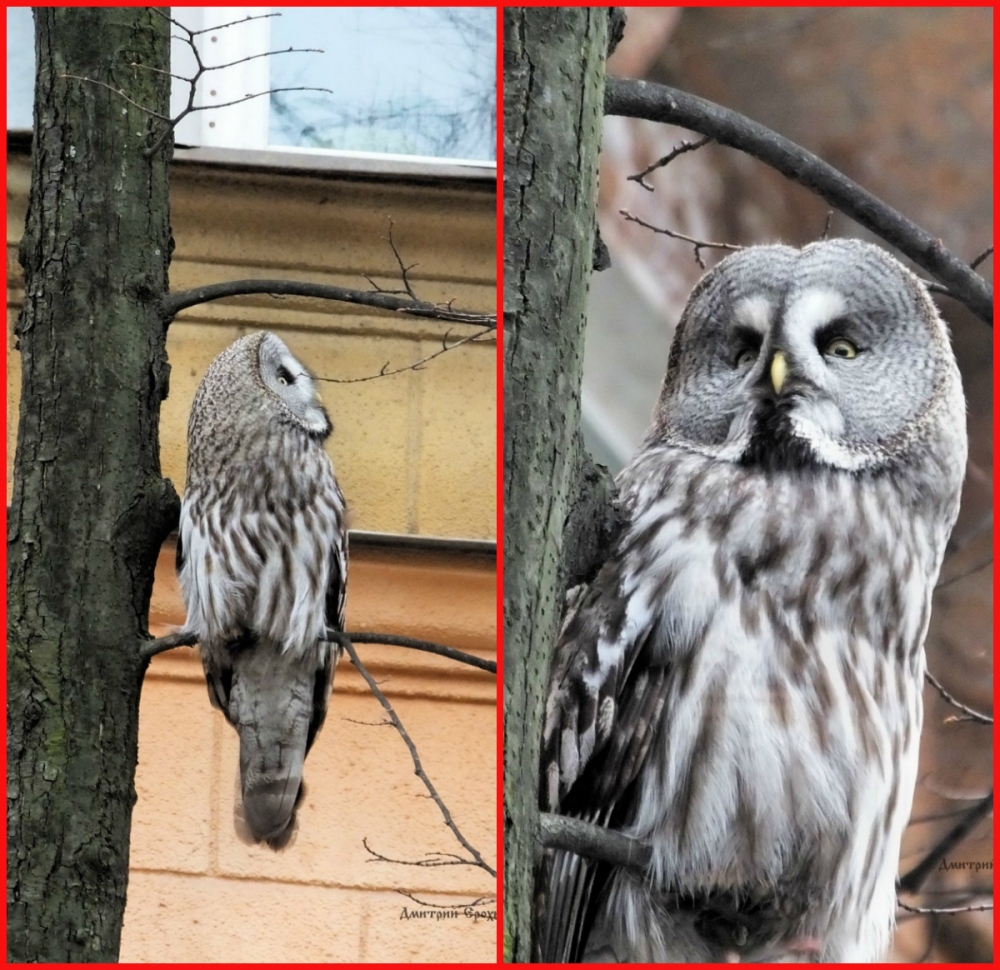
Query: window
column 20, row 66
column 411, row 82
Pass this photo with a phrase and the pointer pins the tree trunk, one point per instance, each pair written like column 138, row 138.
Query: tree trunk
column 553, row 106
column 90, row 509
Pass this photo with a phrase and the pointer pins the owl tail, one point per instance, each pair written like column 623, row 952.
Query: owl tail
column 270, row 705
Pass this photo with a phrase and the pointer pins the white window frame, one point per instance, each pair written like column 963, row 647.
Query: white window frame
column 242, row 125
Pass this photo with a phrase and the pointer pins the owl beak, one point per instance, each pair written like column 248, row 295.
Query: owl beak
column 779, row 370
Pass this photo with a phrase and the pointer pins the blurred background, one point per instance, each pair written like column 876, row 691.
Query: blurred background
column 901, row 101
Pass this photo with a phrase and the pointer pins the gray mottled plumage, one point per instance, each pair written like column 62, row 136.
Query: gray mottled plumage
column 740, row 686
column 262, row 560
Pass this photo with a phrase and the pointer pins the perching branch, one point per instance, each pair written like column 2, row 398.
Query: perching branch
column 184, row 638
column 607, row 845
column 657, row 102
column 345, row 641
column 592, row 841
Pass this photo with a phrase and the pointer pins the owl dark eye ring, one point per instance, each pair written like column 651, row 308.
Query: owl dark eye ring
column 284, row 377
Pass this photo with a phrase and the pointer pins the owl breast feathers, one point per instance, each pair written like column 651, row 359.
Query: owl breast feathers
column 262, row 561
column 740, row 685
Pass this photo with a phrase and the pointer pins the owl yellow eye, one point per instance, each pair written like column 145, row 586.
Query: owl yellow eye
column 284, row 377
column 840, row 347
column 746, row 357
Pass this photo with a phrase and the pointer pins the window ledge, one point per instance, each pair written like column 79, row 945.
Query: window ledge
column 368, row 165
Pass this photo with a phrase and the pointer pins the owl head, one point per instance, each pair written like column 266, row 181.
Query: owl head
column 832, row 355
column 288, row 386
column 256, row 383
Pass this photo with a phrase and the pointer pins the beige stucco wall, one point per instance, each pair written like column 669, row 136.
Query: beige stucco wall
column 198, row 894
column 415, row 455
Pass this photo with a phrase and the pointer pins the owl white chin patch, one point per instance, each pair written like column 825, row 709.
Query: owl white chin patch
column 824, row 441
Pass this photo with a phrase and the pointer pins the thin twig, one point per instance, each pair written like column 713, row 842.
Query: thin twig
column 826, row 225
column 684, row 146
column 699, row 244
column 986, row 253
column 657, row 102
column 418, row 365
column 208, row 30
column 973, row 714
column 417, row 766
column 444, row 858
column 478, row 901
column 928, row 910
column 403, row 269
column 914, row 879
column 120, row 93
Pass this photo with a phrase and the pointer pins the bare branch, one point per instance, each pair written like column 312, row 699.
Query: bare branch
column 417, row 766
column 927, row 910
column 983, row 255
column 973, row 714
column 208, row 30
column 150, row 648
column 232, row 23
column 592, row 841
column 202, row 68
column 478, row 901
column 120, row 93
column 698, row 244
column 173, row 303
column 914, row 879
column 418, row 365
column 684, row 146
column 403, row 269
column 392, row 640
column 184, row 638
column 657, row 102
column 432, row 861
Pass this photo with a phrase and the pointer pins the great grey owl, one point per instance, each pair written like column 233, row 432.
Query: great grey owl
column 262, row 560
column 740, row 685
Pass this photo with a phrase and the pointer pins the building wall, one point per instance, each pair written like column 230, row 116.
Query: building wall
column 415, row 454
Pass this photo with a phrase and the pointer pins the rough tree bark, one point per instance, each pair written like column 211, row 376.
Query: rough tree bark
column 552, row 125
column 90, row 508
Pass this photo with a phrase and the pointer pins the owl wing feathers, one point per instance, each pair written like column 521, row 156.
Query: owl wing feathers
column 601, row 720
column 336, row 591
